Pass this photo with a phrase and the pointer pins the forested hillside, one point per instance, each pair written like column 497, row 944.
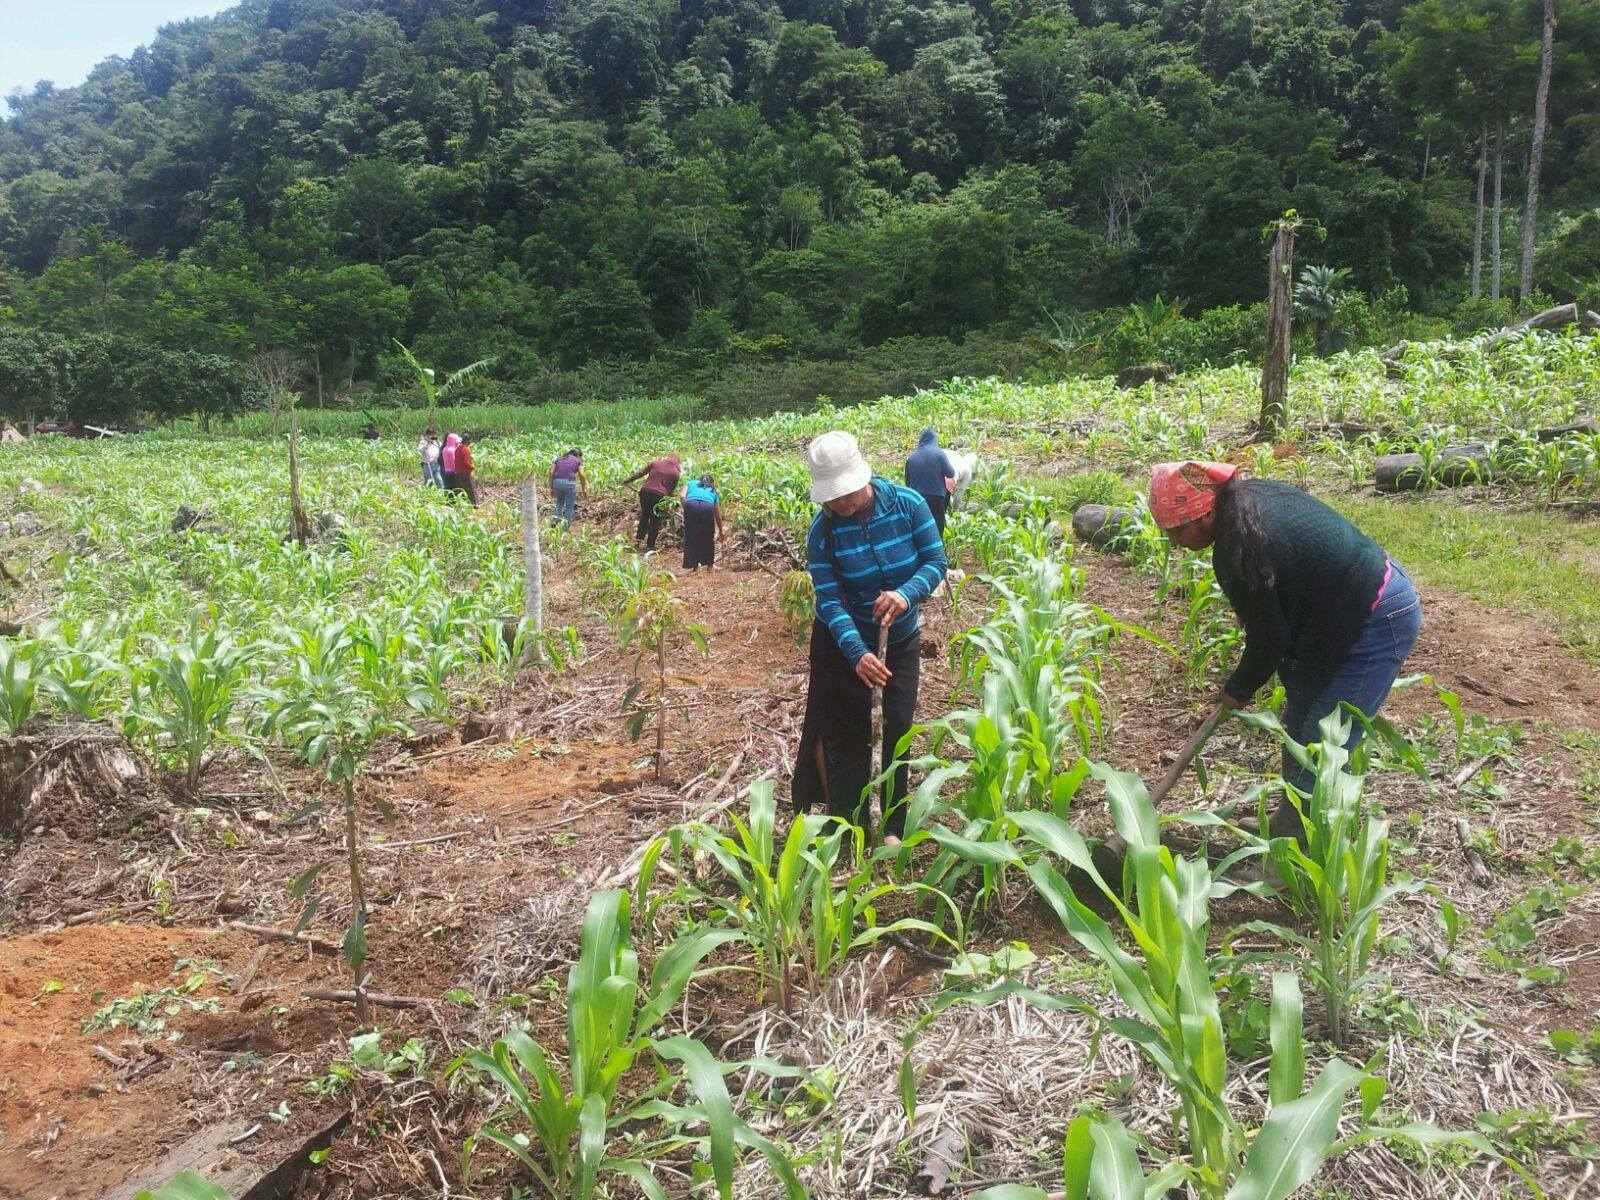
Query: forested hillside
column 712, row 184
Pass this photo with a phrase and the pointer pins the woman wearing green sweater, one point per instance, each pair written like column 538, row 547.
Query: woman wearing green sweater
column 1323, row 607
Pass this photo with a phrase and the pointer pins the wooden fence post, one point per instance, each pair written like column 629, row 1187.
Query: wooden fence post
column 532, row 567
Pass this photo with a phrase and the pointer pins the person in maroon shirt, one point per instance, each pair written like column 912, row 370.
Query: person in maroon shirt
column 465, row 483
column 660, row 481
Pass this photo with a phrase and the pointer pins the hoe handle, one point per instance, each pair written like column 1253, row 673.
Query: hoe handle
column 1186, row 756
column 877, row 692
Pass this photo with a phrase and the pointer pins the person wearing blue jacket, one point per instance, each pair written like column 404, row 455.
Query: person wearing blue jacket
column 931, row 474
column 874, row 555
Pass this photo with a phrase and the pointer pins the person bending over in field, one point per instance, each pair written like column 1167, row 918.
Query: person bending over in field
column 566, row 478
column 931, row 474
column 874, row 554
column 702, row 523
column 1322, row 605
column 660, row 481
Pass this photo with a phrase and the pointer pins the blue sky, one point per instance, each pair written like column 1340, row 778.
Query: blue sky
column 61, row 40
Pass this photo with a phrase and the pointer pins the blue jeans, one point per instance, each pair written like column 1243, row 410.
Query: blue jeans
column 566, row 494
column 432, row 475
column 1363, row 679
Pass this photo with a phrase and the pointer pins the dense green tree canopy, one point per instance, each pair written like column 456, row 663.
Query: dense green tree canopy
column 551, row 184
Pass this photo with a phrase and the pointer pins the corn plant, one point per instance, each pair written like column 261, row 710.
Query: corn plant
column 802, row 906
column 188, row 692
column 79, row 671
column 19, row 683
column 612, row 1021
column 1339, row 878
column 1178, row 1024
column 1041, row 648
column 331, row 720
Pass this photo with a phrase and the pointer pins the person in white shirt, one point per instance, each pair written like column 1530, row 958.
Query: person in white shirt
column 428, row 452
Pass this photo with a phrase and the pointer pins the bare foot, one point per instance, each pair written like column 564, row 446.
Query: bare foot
column 889, row 839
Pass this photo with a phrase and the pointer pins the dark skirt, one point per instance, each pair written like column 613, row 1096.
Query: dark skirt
column 699, row 534
column 649, row 520
column 839, row 716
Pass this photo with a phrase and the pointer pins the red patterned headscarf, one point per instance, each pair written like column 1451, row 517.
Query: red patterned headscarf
column 1186, row 491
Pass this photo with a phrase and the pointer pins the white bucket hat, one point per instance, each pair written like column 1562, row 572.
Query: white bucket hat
column 837, row 468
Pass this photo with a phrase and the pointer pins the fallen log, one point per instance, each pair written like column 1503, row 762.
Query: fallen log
column 1558, row 317
column 1455, row 465
column 264, row 1173
column 1585, row 427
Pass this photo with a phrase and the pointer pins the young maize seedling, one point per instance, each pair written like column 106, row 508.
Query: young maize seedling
column 802, row 906
column 611, row 1026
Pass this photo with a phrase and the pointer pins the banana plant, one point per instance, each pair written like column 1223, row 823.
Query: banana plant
column 561, row 1130
column 802, row 906
column 432, row 391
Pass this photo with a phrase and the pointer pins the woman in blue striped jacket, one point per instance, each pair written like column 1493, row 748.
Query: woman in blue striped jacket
column 874, row 554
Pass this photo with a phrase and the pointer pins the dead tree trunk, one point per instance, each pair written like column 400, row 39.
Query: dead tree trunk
column 299, row 525
column 1275, row 370
column 1494, row 231
column 532, row 568
column 1477, row 233
column 1541, row 105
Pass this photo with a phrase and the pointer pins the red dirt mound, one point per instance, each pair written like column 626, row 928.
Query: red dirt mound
column 50, row 983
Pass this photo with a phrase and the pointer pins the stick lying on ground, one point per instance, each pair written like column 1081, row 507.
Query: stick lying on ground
column 382, row 1000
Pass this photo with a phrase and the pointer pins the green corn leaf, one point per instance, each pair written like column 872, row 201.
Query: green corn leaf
column 1114, row 1172
column 186, row 1185
column 591, row 1144
column 1286, row 1075
column 1295, row 1138
column 1077, row 1156
column 355, row 945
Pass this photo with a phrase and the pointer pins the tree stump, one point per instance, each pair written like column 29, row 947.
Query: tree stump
column 74, row 775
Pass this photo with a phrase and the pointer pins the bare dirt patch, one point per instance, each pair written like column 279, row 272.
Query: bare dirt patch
column 534, row 782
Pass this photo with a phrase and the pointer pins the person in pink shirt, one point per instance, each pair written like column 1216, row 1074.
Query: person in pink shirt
column 660, row 481
column 447, row 460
